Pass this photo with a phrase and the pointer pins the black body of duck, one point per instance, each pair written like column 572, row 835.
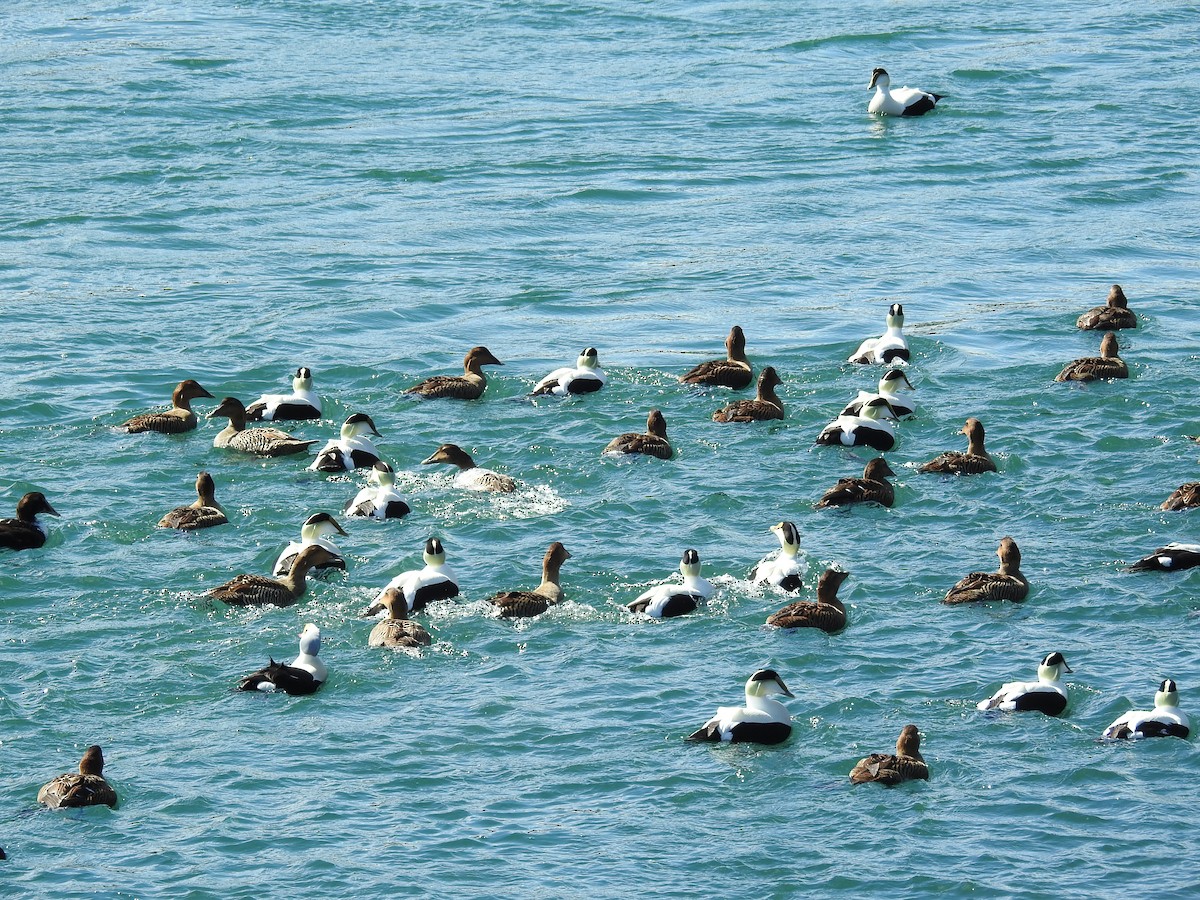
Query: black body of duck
column 204, row 513
column 1174, row 557
column 906, row 764
column 86, row 787
column 25, row 532
column 351, row 450
column 1046, row 695
column 176, row 420
column 872, row 487
column 523, row 604
column 903, row 101
column 586, row 377
column 1114, row 315
column 828, row 613
column 468, row 386
column 651, row 442
column 302, row 676
column 762, row 720
column 764, row 407
column 420, row 587
column 732, row 372
column 1165, row 720
column 379, row 499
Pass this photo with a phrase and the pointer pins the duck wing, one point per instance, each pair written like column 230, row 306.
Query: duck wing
column 253, row 590
column 18, row 535
column 645, row 444
column 399, row 633
column 720, row 373
column 452, row 386
column 191, row 518
column 982, row 586
column 1183, row 497
column 954, row 462
column 519, row 604
column 824, row 616
column 171, row 421
column 858, row 490
column 748, row 411
column 1093, row 368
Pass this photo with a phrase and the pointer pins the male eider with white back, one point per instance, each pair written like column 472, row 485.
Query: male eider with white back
column 352, row 449
column 665, row 601
column 1045, row 695
column 785, row 570
column 317, row 529
column 586, row 377
column 1165, row 720
column 761, row 721
column 1174, row 557
column 889, row 347
column 303, row 675
column 302, row 403
column 903, row 101
column 870, row 428
column 420, row 587
column 379, row 499
column 889, row 388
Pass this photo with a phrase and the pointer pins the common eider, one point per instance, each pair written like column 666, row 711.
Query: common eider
column 176, row 420
column 870, row 428
column 204, row 513
column 25, row 532
column 316, row 530
column 665, row 601
column 872, row 487
column 519, row 604
column 761, row 721
column 585, row 378
column 351, row 450
column 259, row 441
column 468, row 386
column 1165, row 720
column 975, row 461
column 764, row 407
column 904, row 101
column 888, row 347
column 258, row 590
column 301, row 403
column 652, row 442
column 889, row 389
column 86, row 787
column 828, row 613
column 397, row 631
column 1006, row 583
column 732, row 372
column 1185, row 496
column 470, row 476
column 303, row 675
column 906, row 764
column 420, row 587
column 1045, row 695
column 1115, row 314
column 1096, row 368
column 785, row 570
column 379, row 499
column 1174, row 557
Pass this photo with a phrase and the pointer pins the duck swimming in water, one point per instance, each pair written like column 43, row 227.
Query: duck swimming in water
column 316, row 530
column 585, row 378
column 827, row 614
column 204, row 513
column 1006, row 583
column 665, row 601
column 873, row 487
column 764, row 407
column 351, row 450
column 1165, row 720
column 1096, row 368
column 470, row 476
column 1045, row 695
column 785, row 570
column 732, row 372
column 25, row 532
column 304, row 675
column 1174, row 557
column 1186, row 496
column 259, row 441
column 468, row 386
column 523, row 604
column 258, row 590
column 903, row 101
column 176, row 420
column 302, row 403
column 889, row 389
column 1115, row 314
column 652, row 442
column 870, row 428
column 420, row 587
column 761, row 721
column 86, row 787
column 379, row 499
column 397, row 631
column 906, row 764
column 974, row 462
column 889, row 347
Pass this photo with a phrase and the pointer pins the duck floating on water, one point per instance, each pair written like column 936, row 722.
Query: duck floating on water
column 1174, row 557
column 1097, row 368
column 761, row 721
column 303, row 675
column 258, row 590
column 975, row 461
column 379, row 499
column 176, row 420
column 870, row 428
column 764, row 407
column 888, row 347
column 315, row 531
column 25, row 532
column 665, row 601
column 397, row 631
column 351, row 450
column 1115, row 314
column 523, row 604
column 87, row 787
column 1006, row 583
column 906, row 764
column 468, row 386
column 828, row 613
column 259, row 441
column 652, row 442
column 1186, row 496
column 204, row 513
column 904, row 101
column 785, row 570
column 420, row 587
column 872, row 487
column 889, row 389
column 732, row 372
column 1165, row 720
column 1045, row 695
column 585, row 378
column 302, row 403
column 470, row 476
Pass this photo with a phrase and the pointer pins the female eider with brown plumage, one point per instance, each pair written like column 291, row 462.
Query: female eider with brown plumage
column 398, row 631
column 468, row 386
column 873, row 487
column 764, row 407
column 1045, row 695
column 1097, row 368
column 25, row 532
column 258, row 441
column 732, row 372
column 352, row 449
column 316, row 530
column 1186, row 496
column 665, row 601
column 1165, row 720
column 304, row 675
column 470, row 476
column 761, row 721
column 523, row 604
column 204, row 513
column 585, row 378
column 1006, row 583
column 906, row 764
column 258, row 590
column 176, row 420
column 1115, row 314
column 785, row 570
column 975, row 461
column 86, row 787
column 420, row 587
column 828, row 613
column 302, row 403
column 652, row 442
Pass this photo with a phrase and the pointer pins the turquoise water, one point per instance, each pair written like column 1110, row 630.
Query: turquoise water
column 228, row 191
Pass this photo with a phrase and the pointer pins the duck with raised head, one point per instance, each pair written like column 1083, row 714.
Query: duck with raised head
column 204, row 513
column 467, row 386
column 1045, row 695
column 1174, row 557
column 732, row 372
column 906, row 764
column 259, row 590
column 889, row 347
column 420, row 587
column 379, row 499
column 889, row 388
column 1165, row 720
column 586, row 377
column 258, row 441
column 1186, row 496
column 975, row 461
column 303, row 675
column 316, row 531
column 301, row 403
column 765, row 406
column 1097, row 368
column 904, row 101
column 652, row 442
column 1006, row 583
column 873, row 487
column 523, row 604
column 176, row 420
column 398, row 631
column 665, row 601
column 761, row 721
column 87, row 787
column 25, row 532
column 1114, row 315
column 785, row 570
column 828, row 612
column 470, row 476
column 871, row 428
column 351, row 450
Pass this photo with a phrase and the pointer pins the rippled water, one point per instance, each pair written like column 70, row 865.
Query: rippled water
column 227, row 191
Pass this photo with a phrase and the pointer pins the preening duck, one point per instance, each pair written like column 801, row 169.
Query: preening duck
column 652, row 442
column 1185, row 496
column 1174, row 557
column 204, row 513
column 352, row 450
column 1165, row 720
column 1096, row 368
column 470, row 476
column 974, row 462
column 888, row 347
column 379, row 499
column 468, row 386
column 25, row 532
column 870, row 428
column 1045, row 695
column 828, row 613
column 1006, row 583
column 315, row 531
column 86, row 787
column 761, row 721
column 733, row 372
column 903, row 101
column 420, row 587
column 258, row 590
column 765, row 406
column 259, row 441
column 906, row 764
column 519, row 604
column 890, row 390
column 785, row 570
column 1115, row 314
column 176, row 420
column 665, row 601
column 301, row 403
column 873, row 487
column 397, row 630
column 304, row 675
column 585, row 378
